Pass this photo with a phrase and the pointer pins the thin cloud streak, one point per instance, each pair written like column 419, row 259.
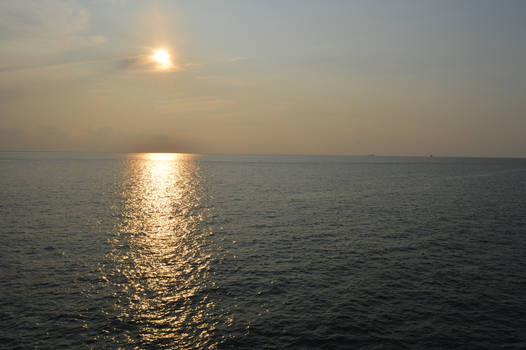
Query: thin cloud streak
column 146, row 64
column 236, row 59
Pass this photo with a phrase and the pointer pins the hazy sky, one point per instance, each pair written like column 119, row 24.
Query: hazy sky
column 313, row 77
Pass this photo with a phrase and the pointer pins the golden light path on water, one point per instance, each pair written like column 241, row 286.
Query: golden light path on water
column 160, row 254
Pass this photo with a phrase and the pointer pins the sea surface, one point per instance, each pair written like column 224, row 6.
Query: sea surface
column 247, row 252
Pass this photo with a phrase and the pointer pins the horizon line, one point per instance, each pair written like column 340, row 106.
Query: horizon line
column 371, row 155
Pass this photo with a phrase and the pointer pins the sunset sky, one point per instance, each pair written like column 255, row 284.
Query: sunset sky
column 443, row 77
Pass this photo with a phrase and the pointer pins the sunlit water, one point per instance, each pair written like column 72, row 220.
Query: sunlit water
column 187, row 251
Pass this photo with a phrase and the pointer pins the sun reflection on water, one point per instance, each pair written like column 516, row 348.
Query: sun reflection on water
column 161, row 262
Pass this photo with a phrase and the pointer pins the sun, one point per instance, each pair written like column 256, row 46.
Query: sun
column 162, row 59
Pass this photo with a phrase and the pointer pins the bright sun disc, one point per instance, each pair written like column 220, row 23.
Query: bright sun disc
column 162, row 58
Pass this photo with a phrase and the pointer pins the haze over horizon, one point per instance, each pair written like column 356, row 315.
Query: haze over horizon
column 363, row 77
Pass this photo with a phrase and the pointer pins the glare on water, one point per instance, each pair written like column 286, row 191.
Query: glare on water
column 159, row 254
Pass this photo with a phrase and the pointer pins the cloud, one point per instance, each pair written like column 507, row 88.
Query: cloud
column 34, row 31
column 27, row 19
column 190, row 105
column 236, row 59
column 145, row 63
column 48, row 137
column 121, row 3
column 45, row 137
column 139, row 62
column 222, row 80
column 40, row 78
column 192, row 65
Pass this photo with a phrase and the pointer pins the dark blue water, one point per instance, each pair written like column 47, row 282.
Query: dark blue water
column 185, row 251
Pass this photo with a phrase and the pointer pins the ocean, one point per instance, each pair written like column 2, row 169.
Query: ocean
column 185, row 251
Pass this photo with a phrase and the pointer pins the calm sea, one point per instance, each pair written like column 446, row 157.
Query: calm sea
column 247, row 252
